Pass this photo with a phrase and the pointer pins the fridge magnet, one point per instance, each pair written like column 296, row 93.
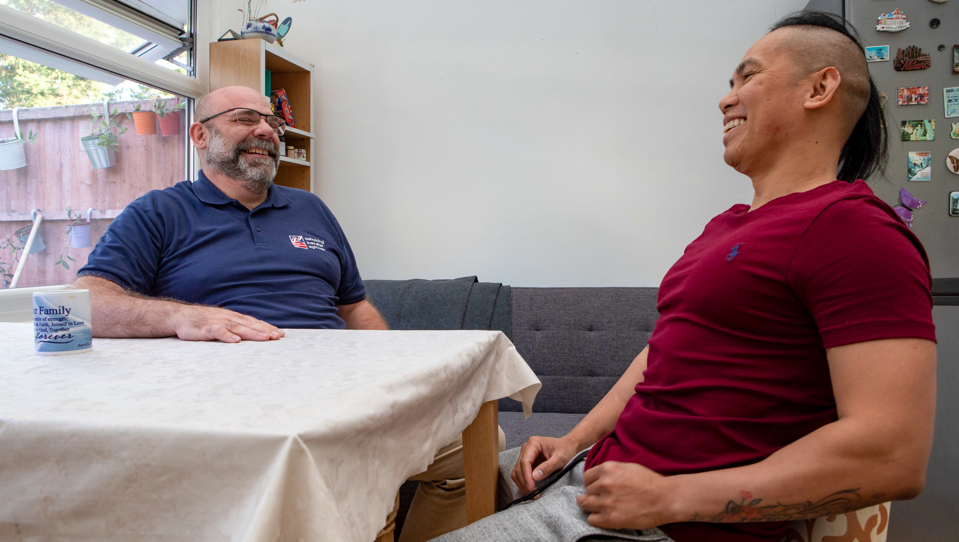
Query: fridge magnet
column 934, row 23
column 942, row 47
column 953, row 203
column 920, row 165
column 950, row 100
column 952, row 161
column 955, row 130
column 892, row 22
column 955, row 59
column 918, row 130
column 913, row 95
column 911, row 59
column 938, row 1
column 908, row 204
column 879, row 53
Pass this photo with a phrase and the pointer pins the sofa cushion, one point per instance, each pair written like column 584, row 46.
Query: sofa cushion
column 543, row 424
column 579, row 341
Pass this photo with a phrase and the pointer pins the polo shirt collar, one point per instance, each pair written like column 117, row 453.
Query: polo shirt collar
column 208, row 193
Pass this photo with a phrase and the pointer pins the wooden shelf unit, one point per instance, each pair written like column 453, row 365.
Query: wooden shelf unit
column 243, row 62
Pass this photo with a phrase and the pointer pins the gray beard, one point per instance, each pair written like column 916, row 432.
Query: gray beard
column 256, row 177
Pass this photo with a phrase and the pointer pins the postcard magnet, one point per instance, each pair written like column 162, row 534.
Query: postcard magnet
column 892, row 22
column 911, row 59
column 952, row 161
column 950, row 100
column 918, row 130
column 953, row 203
column 879, row 53
column 913, row 95
column 920, row 165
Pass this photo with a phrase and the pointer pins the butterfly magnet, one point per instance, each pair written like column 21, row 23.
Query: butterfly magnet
column 908, row 204
column 952, row 161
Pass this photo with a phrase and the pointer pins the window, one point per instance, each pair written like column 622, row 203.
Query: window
column 80, row 80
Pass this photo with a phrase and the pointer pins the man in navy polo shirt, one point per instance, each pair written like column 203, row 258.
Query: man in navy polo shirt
column 235, row 257
column 231, row 256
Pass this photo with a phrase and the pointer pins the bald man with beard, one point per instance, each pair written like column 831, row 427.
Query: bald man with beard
column 234, row 257
column 791, row 374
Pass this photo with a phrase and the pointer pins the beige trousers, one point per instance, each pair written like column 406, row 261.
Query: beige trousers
column 439, row 505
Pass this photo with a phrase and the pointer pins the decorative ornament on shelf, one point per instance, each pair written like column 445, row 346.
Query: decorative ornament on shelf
column 892, row 22
column 267, row 27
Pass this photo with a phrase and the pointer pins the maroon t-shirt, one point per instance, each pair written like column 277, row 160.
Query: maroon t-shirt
column 737, row 363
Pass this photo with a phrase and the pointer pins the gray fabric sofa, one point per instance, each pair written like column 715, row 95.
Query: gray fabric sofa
column 578, row 341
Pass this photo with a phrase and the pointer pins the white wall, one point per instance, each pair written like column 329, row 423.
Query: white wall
column 529, row 142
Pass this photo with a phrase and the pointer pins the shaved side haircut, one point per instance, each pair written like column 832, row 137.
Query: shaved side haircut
column 820, row 40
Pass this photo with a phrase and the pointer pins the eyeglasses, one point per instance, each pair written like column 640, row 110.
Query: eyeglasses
column 251, row 118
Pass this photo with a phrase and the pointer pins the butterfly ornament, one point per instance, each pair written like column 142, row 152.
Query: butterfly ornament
column 908, row 205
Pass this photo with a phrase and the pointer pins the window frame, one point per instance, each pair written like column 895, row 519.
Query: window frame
column 49, row 38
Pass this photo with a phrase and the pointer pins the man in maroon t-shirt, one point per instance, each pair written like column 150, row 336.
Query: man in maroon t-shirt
column 791, row 374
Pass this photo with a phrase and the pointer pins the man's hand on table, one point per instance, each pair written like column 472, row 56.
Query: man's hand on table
column 202, row 323
column 545, row 454
column 625, row 496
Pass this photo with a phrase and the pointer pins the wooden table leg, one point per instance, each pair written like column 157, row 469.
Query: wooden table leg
column 481, row 462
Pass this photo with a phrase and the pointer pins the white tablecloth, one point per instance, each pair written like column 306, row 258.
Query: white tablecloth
column 306, row 438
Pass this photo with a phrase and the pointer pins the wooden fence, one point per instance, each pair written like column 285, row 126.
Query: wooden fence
column 59, row 175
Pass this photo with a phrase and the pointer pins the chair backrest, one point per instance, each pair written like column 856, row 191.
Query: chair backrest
column 16, row 304
column 867, row 525
column 579, row 341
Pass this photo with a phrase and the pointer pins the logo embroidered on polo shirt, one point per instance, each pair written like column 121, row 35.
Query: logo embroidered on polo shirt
column 301, row 241
column 297, row 241
column 734, row 252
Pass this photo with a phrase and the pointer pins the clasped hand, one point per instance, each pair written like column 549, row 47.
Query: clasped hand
column 625, row 496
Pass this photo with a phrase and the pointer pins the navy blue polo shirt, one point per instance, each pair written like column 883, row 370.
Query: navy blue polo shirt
column 286, row 262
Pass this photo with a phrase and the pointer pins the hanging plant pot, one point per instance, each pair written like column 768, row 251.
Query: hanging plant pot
column 11, row 150
column 100, row 155
column 170, row 123
column 80, row 235
column 11, row 154
column 22, row 235
column 145, row 122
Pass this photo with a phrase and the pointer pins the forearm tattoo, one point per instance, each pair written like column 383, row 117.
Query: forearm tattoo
column 752, row 509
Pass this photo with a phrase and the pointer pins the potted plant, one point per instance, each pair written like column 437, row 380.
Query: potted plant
column 78, row 230
column 169, row 116
column 145, row 122
column 103, row 142
column 11, row 148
